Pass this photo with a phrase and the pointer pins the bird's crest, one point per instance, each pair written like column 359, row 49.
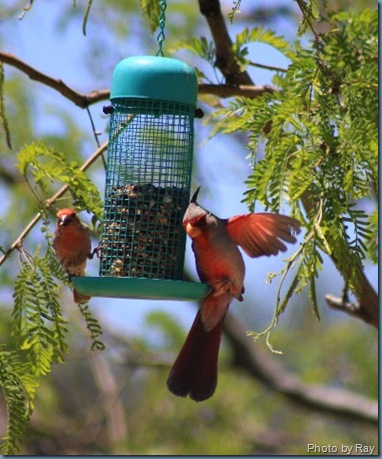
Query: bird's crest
column 195, row 195
column 64, row 216
column 65, row 212
column 194, row 211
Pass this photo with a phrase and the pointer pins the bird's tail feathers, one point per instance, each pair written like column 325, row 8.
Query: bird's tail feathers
column 194, row 372
column 79, row 297
column 214, row 308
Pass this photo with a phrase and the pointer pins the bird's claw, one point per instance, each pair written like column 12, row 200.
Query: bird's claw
column 96, row 251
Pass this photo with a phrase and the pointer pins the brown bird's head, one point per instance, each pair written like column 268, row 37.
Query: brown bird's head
column 195, row 217
column 66, row 217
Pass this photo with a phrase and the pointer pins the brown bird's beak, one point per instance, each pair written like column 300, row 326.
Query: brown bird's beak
column 62, row 220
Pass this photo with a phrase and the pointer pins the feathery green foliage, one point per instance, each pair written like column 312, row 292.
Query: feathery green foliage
column 18, row 387
column 203, row 48
column 259, row 35
column 235, row 9
column 151, row 10
column 38, row 326
column 47, row 166
column 93, row 326
column 319, row 134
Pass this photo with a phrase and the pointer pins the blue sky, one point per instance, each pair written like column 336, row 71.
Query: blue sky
column 222, row 167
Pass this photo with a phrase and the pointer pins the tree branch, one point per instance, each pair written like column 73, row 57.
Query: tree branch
column 48, row 203
column 264, row 366
column 111, row 405
column 366, row 309
column 85, row 100
column 81, row 100
column 225, row 60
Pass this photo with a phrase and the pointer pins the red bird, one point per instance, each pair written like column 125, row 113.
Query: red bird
column 220, row 264
column 72, row 245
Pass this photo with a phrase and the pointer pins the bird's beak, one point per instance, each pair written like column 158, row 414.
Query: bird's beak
column 62, row 220
column 193, row 231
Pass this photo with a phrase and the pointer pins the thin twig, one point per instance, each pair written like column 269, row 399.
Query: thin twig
column 267, row 67
column 86, row 16
column 48, row 203
column 3, row 116
column 96, row 134
column 340, row 304
column 26, row 8
column 242, row 90
column 301, row 5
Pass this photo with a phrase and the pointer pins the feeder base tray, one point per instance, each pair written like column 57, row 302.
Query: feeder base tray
column 139, row 288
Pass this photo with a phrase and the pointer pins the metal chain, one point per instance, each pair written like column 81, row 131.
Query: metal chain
column 162, row 22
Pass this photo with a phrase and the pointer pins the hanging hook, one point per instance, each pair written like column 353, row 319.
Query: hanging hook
column 162, row 22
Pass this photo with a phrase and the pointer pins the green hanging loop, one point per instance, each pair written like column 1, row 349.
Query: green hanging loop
column 162, row 22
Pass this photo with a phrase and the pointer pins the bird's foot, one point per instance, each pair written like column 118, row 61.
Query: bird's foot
column 96, row 251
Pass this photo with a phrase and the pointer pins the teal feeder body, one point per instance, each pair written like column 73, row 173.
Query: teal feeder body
column 148, row 177
column 149, row 163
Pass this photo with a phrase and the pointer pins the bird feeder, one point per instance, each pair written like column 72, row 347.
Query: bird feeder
column 148, row 177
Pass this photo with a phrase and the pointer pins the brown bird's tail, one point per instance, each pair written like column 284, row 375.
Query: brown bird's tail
column 194, row 372
column 79, row 297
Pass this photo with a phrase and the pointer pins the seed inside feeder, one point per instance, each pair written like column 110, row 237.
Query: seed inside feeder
column 142, row 229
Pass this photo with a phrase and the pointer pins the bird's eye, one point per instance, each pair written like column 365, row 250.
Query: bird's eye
column 65, row 221
column 201, row 222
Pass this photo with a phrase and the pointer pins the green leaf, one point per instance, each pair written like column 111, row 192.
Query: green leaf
column 93, row 326
column 48, row 166
column 38, row 328
column 261, row 35
column 151, row 11
column 18, row 389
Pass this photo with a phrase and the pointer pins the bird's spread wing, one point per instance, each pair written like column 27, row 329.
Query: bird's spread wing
column 262, row 233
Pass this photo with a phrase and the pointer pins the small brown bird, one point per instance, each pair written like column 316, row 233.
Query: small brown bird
column 72, row 245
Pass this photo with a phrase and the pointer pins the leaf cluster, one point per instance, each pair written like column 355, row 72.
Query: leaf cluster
column 39, row 329
column 319, row 135
column 43, row 166
column 38, row 332
column 19, row 389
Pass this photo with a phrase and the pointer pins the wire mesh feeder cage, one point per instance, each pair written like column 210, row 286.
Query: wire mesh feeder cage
column 149, row 162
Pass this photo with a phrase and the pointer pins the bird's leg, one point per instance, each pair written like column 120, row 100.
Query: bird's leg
column 218, row 286
column 96, row 251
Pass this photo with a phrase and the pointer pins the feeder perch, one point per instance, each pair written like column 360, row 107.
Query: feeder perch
column 148, row 176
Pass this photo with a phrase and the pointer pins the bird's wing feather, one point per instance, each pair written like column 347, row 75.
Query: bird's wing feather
column 262, row 233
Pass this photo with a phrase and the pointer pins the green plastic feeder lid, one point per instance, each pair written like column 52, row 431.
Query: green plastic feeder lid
column 155, row 77
column 139, row 288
